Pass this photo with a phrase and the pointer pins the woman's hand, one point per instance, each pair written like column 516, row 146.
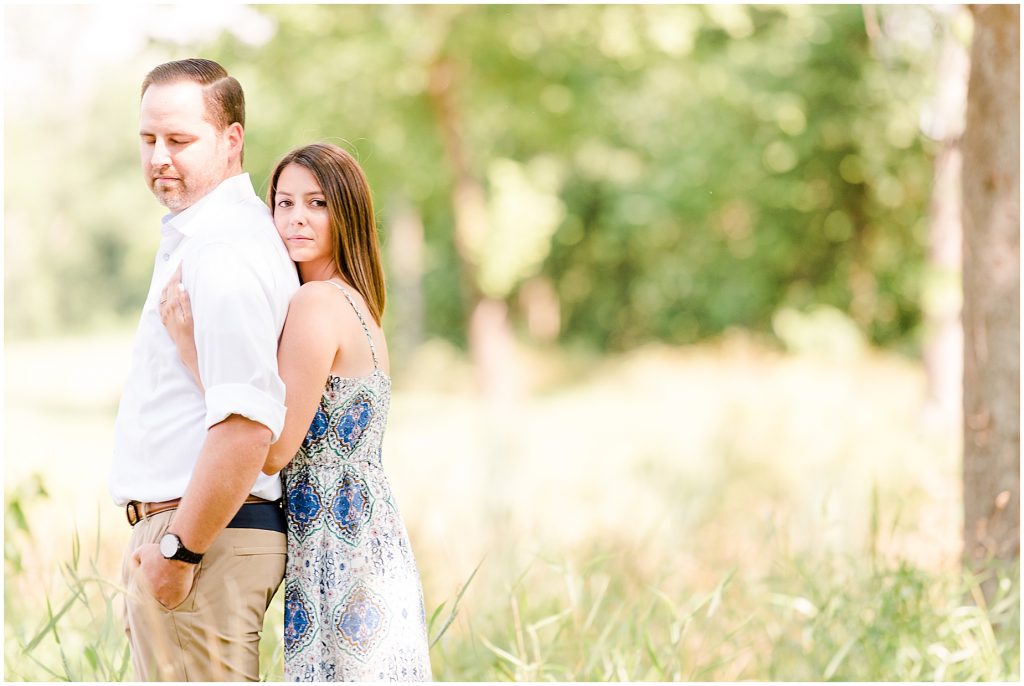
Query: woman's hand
column 176, row 315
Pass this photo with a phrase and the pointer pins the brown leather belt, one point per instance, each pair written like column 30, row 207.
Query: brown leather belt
column 136, row 511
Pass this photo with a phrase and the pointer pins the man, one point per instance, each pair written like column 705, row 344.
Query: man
column 207, row 548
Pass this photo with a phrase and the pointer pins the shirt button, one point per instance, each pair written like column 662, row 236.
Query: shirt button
column 167, row 256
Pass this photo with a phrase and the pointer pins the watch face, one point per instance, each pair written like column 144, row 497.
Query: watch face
column 169, row 545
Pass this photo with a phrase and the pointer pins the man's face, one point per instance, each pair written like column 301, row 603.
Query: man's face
column 184, row 156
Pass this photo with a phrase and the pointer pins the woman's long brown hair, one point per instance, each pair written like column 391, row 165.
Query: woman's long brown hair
column 350, row 209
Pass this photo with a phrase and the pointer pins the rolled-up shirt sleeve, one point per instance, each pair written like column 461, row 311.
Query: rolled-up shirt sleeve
column 236, row 333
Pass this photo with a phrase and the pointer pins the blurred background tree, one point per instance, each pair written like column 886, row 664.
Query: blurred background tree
column 597, row 175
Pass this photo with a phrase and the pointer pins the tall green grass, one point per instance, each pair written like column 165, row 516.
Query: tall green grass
column 78, row 634
column 826, row 618
column 712, row 513
column 601, row 614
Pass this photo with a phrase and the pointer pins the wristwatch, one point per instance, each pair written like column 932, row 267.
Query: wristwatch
column 172, row 549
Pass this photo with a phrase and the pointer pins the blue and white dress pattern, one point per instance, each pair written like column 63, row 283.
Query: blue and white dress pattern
column 353, row 600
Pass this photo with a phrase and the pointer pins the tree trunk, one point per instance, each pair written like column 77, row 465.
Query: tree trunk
column 491, row 342
column 991, row 314
column 539, row 303
column 406, row 254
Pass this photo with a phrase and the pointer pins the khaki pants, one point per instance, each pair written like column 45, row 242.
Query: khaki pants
column 214, row 635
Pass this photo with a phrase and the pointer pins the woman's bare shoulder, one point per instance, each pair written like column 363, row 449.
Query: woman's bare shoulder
column 315, row 300
column 313, row 292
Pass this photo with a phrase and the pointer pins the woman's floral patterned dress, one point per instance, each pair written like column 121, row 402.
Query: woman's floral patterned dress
column 353, row 600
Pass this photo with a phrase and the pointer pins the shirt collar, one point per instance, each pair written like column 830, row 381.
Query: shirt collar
column 229, row 191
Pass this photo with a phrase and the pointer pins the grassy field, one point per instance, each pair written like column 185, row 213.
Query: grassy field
column 714, row 513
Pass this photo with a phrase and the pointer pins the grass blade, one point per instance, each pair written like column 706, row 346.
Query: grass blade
column 503, row 654
column 433, row 617
column 53, row 619
column 455, row 605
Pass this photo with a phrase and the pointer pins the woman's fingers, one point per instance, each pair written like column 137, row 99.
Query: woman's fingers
column 172, row 287
column 174, row 301
column 184, row 304
column 165, row 306
column 175, row 292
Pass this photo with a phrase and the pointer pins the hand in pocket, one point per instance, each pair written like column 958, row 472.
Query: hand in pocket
column 169, row 581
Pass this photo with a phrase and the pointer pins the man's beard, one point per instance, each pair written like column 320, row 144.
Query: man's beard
column 174, row 200
column 180, row 196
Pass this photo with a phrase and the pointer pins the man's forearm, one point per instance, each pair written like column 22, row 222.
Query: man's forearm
column 229, row 462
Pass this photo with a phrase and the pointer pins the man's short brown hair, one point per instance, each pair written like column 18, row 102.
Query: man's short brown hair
column 225, row 102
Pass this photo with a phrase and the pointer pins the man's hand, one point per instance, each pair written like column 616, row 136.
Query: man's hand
column 168, row 580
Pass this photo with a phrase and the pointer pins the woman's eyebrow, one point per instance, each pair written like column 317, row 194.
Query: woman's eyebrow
column 316, row 191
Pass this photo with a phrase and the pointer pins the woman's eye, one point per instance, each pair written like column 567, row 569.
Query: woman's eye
column 283, row 203
column 319, row 203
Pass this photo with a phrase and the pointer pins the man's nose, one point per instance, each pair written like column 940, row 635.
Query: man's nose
column 160, row 157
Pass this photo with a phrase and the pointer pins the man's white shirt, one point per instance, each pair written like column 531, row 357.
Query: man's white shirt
column 239, row 279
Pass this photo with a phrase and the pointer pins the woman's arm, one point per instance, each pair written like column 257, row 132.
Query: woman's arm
column 305, row 355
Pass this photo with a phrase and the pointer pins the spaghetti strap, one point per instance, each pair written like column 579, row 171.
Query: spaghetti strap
column 366, row 329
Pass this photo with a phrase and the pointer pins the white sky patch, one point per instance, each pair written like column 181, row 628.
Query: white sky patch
column 67, row 47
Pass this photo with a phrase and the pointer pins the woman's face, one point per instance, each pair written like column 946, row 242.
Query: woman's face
column 300, row 214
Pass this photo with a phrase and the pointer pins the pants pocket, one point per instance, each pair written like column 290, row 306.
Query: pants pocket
column 141, row 591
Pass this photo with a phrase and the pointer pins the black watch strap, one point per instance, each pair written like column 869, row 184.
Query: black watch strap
column 186, row 555
column 181, row 552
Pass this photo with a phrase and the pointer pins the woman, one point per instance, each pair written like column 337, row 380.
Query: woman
column 353, row 600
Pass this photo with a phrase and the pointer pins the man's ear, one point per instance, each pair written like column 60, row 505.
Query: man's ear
column 236, row 139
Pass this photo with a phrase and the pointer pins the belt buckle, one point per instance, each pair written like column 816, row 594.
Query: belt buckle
column 131, row 511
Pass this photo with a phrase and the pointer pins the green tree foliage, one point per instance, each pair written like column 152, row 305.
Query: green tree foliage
column 770, row 161
column 672, row 171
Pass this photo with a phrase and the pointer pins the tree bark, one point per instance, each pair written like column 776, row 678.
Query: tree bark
column 991, row 271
